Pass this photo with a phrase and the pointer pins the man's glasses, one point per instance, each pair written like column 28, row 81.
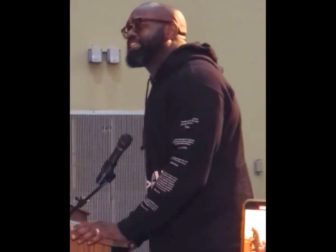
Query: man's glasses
column 136, row 23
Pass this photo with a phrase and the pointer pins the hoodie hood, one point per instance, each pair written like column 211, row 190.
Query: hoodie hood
column 184, row 54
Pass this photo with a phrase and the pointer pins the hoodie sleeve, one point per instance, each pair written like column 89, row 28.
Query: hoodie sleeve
column 195, row 132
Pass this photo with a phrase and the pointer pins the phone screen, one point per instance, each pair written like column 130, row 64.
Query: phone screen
column 254, row 226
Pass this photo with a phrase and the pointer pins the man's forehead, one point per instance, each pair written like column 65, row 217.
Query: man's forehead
column 155, row 12
column 161, row 12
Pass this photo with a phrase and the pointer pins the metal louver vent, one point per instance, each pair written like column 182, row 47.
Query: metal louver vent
column 93, row 137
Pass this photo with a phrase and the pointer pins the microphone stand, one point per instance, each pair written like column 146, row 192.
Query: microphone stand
column 82, row 201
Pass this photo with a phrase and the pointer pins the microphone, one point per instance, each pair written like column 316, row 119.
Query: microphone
column 107, row 171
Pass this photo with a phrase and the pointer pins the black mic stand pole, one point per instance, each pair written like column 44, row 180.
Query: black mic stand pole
column 81, row 202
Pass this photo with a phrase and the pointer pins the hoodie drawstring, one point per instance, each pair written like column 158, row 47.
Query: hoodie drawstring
column 146, row 97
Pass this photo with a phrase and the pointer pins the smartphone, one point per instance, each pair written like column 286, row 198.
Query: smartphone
column 254, row 226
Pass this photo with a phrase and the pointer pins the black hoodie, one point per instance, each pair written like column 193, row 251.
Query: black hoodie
column 195, row 161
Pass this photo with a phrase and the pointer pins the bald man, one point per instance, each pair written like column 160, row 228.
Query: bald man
column 195, row 165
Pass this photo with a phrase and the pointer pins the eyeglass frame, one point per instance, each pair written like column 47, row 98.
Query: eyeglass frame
column 124, row 31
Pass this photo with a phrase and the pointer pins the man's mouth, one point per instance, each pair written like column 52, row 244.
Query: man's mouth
column 133, row 45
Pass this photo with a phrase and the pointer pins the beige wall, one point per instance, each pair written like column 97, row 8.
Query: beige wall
column 236, row 30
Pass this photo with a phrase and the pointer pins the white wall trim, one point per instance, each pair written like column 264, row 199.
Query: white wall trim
column 106, row 112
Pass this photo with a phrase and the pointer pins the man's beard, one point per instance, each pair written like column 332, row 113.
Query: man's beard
column 137, row 57
column 140, row 57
